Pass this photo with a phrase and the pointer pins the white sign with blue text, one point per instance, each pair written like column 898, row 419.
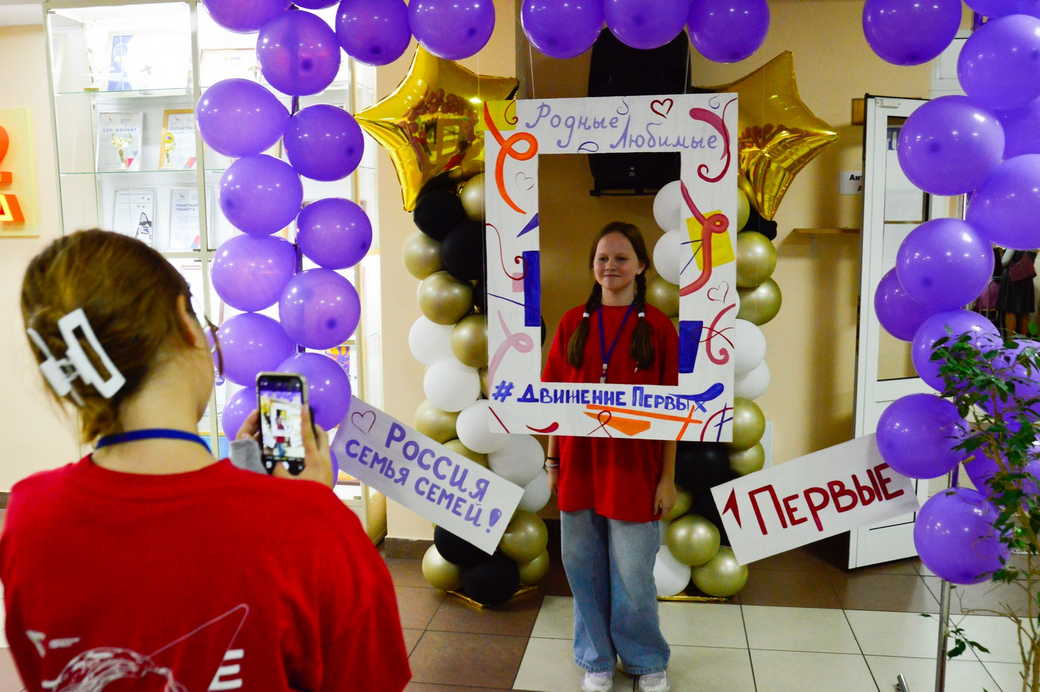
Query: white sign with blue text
column 414, row 470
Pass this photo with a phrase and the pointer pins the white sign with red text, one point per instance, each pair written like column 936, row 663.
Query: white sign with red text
column 804, row 500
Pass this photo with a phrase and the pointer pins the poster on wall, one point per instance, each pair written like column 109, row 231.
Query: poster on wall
column 453, row 492
column 177, row 149
column 701, row 127
column 119, row 141
column 184, row 219
column 134, row 214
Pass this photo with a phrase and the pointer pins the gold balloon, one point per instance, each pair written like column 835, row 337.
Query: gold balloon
column 472, row 195
column 663, row 295
column 525, row 538
column 779, row 135
column 422, row 255
column 756, row 259
column 434, row 422
column 438, row 572
column 722, row 576
column 683, row 502
column 484, row 388
column 469, row 341
column 534, row 571
column 444, row 299
column 743, row 209
column 692, row 539
column 749, row 424
column 748, row 460
column 432, row 123
column 459, row 448
column 760, row 304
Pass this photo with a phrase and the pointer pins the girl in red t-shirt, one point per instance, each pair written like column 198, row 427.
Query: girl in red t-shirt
column 611, row 491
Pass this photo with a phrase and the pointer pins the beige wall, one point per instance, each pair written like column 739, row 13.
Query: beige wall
column 37, row 436
column 402, row 374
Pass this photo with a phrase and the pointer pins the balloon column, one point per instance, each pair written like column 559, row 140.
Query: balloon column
column 261, row 195
column 984, row 145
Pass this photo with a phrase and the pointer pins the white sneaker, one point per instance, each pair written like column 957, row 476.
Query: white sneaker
column 654, row 682
column 598, row 682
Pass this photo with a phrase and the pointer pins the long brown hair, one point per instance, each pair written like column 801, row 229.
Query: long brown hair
column 642, row 347
column 129, row 293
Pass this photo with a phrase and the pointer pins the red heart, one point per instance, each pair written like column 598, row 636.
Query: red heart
column 360, row 420
column 663, row 103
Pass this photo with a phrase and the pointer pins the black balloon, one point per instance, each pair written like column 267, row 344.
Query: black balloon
column 704, row 505
column 755, row 222
column 492, row 582
column 437, row 212
column 456, row 550
column 480, row 296
column 462, row 251
column 702, row 465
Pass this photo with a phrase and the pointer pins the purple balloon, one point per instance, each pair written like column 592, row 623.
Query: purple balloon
column 324, row 142
column 646, row 24
column 1002, row 209
column 252, row 343
column 896, row 310
column 916, row 435
column 562, row 28
column 373, row 31
column 1021, row 129
column 245, row 16
column 981, row 468
column 249, row 272
column 947, row 324
column 1001, row 8
column 1026, row 382
column 238, row 117
column 315, row 4
column 949, row 145
column 944, row 264
column 998, row 66
column 910, row 33
column 955, row 537
column 451, row 29
column 334, row 232
column 328, row 387
column 298, row 53
column 236, row 410
column 260, row 194
column 319, row 308
column 728, row 30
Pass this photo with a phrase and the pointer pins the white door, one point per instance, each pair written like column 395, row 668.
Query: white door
column 892, row 207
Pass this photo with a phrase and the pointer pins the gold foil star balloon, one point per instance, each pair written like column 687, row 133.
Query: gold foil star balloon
column 431, row 123
column 779, row 135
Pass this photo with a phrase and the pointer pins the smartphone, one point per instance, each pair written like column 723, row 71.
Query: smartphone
column 281, row 398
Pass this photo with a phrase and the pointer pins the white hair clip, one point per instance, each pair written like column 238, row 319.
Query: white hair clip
column 584, row 315
column 61, row 372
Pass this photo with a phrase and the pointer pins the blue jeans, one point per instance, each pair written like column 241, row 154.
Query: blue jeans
column 610, row 567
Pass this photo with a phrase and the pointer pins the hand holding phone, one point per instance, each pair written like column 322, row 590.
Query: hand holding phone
column 317, row 456
column 281, row 401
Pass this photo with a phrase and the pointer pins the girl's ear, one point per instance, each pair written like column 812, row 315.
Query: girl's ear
column 189, row 325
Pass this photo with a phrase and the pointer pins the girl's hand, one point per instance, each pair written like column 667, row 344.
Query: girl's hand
column 665, row 497
column 317, row 464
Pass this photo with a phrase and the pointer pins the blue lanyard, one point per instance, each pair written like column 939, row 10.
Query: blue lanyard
column 605, row 353
column 149, row 434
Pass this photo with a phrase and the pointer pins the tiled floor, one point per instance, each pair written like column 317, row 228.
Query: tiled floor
column 802, row 624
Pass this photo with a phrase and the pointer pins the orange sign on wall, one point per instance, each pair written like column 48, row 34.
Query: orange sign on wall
column 18, row 202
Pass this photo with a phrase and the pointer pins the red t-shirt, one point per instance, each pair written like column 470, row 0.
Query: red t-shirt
column 616, row 477
column 215, row 579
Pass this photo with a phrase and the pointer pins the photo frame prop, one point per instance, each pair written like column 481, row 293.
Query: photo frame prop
column 701, row 128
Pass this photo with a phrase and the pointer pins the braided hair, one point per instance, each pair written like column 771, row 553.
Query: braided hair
column 642, row 347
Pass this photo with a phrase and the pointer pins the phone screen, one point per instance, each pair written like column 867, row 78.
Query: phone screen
column 281, row 399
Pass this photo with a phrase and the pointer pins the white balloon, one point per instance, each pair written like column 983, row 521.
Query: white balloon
column 429, row 342
column 473, row 427
column 754, row 384
column 519, row 460
column 668, row 256
column 670, row 575
column 668, row 206
column 749, row 345
column 450, row 385
column 536, row 493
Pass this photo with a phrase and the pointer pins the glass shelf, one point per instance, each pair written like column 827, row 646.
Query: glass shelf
column 140, row 172
column 130, row 93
